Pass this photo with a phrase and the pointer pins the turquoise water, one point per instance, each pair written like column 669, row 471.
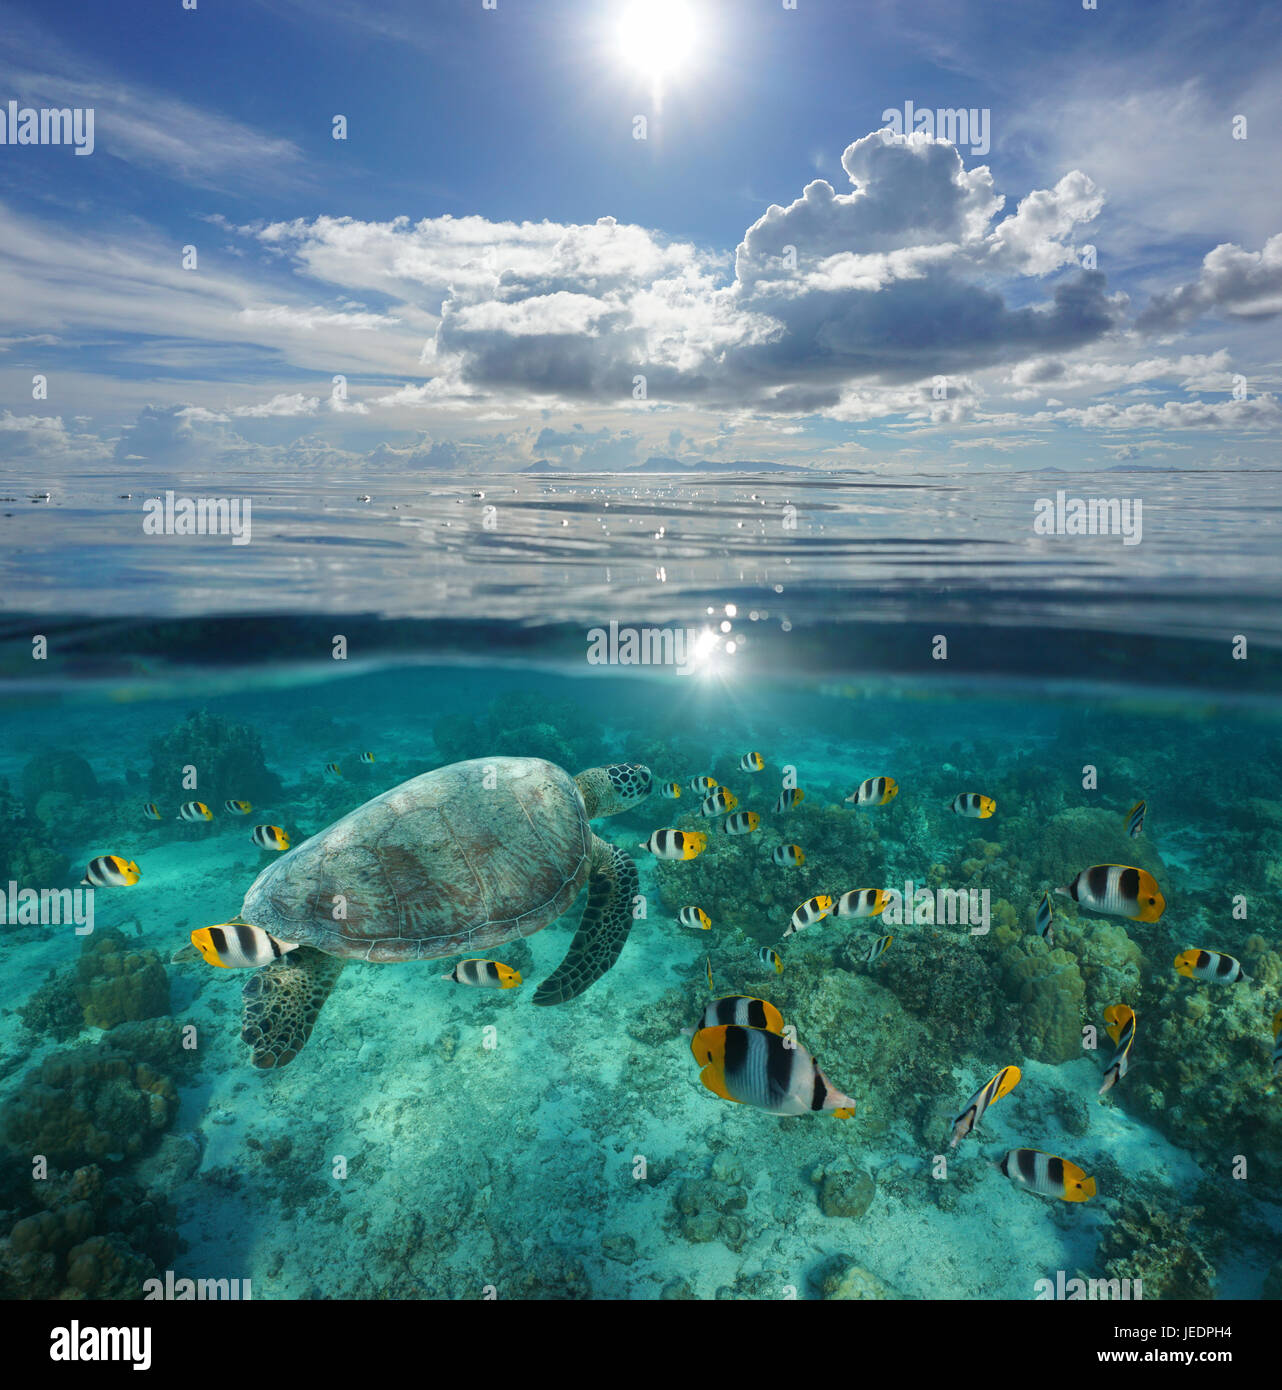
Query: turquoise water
column 437, row 1140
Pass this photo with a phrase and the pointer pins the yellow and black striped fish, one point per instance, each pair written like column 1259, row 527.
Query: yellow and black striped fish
column 789, row 799
column 1117, row 890
column 1048, row 1175
column 769, row 956
column 270, row 837
column 368, row 758
column 484, row 974
column 671, row 790
column 1277, row 1043
column 1121, row 1028
column 752, row 1067
column 701, row 786
column 861, row 902
column 973, row 805
column 1211, row 966
column 238, row 946
column 988, row 1094
column 111, row 871
column 152, row 811
column 695, row 917
column 741, row 823
column 721, row 801
column 333, row 769
column 237, row 808
column 1135, row 819
column 878, row 948
column 751, row 762
column 676, row 844
column 194, row 810
column 808, row 913
column 789, row 856
column 876, row 791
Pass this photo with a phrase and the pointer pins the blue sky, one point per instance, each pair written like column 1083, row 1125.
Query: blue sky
column 491, row 258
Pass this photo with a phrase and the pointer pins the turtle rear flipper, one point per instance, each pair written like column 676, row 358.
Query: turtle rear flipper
column 603, row 928
column 282, row 1002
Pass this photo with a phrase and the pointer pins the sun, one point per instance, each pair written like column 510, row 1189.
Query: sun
column 658, row 39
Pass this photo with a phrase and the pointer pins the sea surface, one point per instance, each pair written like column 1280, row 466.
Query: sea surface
column 438, row 1140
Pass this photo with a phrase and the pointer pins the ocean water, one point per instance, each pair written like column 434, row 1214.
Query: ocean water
column 437, row 1140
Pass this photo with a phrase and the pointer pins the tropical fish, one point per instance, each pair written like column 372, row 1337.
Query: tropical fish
column 111, row 871
column 753, row 1067
column 1045, row 1174
column 789, row 797
column 769, row 956
column 695, row 917
column 876, row 791
column 1043, row 925
column 1135, row 818
column 152, row 811
column 789, row 855
column 878, row 948
column 238, row 946
column 702, row 785
column 721, row 801
column 1117, row 890
column 742, row 1010
column 707, row 965
column 861, row 902
column 671, row 790
column 676, row 844
column 237, row 808
column 194, row 810
column 1209, row 965
column 1121, row 1028
column 973, row 806
column 811, row 911
column 486, row 974
column 1277, row 1043
column 270, row 837
column 751, row 762
column 333, row 769
column 988, row 1094
column 741, row 823
column 368, row 758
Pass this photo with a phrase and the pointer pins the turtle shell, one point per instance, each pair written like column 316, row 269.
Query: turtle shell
column 455, row 861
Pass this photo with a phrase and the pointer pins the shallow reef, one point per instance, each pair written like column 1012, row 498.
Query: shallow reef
column 228, row 759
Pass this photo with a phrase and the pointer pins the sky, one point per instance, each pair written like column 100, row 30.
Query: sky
column 595, row 233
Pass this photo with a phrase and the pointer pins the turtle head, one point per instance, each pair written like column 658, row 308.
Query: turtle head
column 609, row 790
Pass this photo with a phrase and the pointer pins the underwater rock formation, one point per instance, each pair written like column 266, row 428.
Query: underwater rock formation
column 845, row 1189
column 82, row 1235
column 90, row 1104
column 26, row 856
column 117, row 983
column 228, row 759
column 843, row 1278
column 1050, row 991
column 57, row 773
column 1158, row 1245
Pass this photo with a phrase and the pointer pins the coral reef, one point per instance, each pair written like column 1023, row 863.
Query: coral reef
column 82, row 1235
column 1158, row 1245
column 118, row 984
column 228, row 759
column 90, row 1104
column 54, row 772
column 26, row 856
column 524, row 724
column 843, row 1278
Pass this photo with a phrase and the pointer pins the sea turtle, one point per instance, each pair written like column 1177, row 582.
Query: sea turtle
column 453, row 862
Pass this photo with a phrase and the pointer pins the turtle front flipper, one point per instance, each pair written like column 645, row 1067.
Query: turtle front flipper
column 282, row 1002
column 603, row 928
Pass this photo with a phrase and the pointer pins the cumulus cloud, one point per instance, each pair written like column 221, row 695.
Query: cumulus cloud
column 1234, row 283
